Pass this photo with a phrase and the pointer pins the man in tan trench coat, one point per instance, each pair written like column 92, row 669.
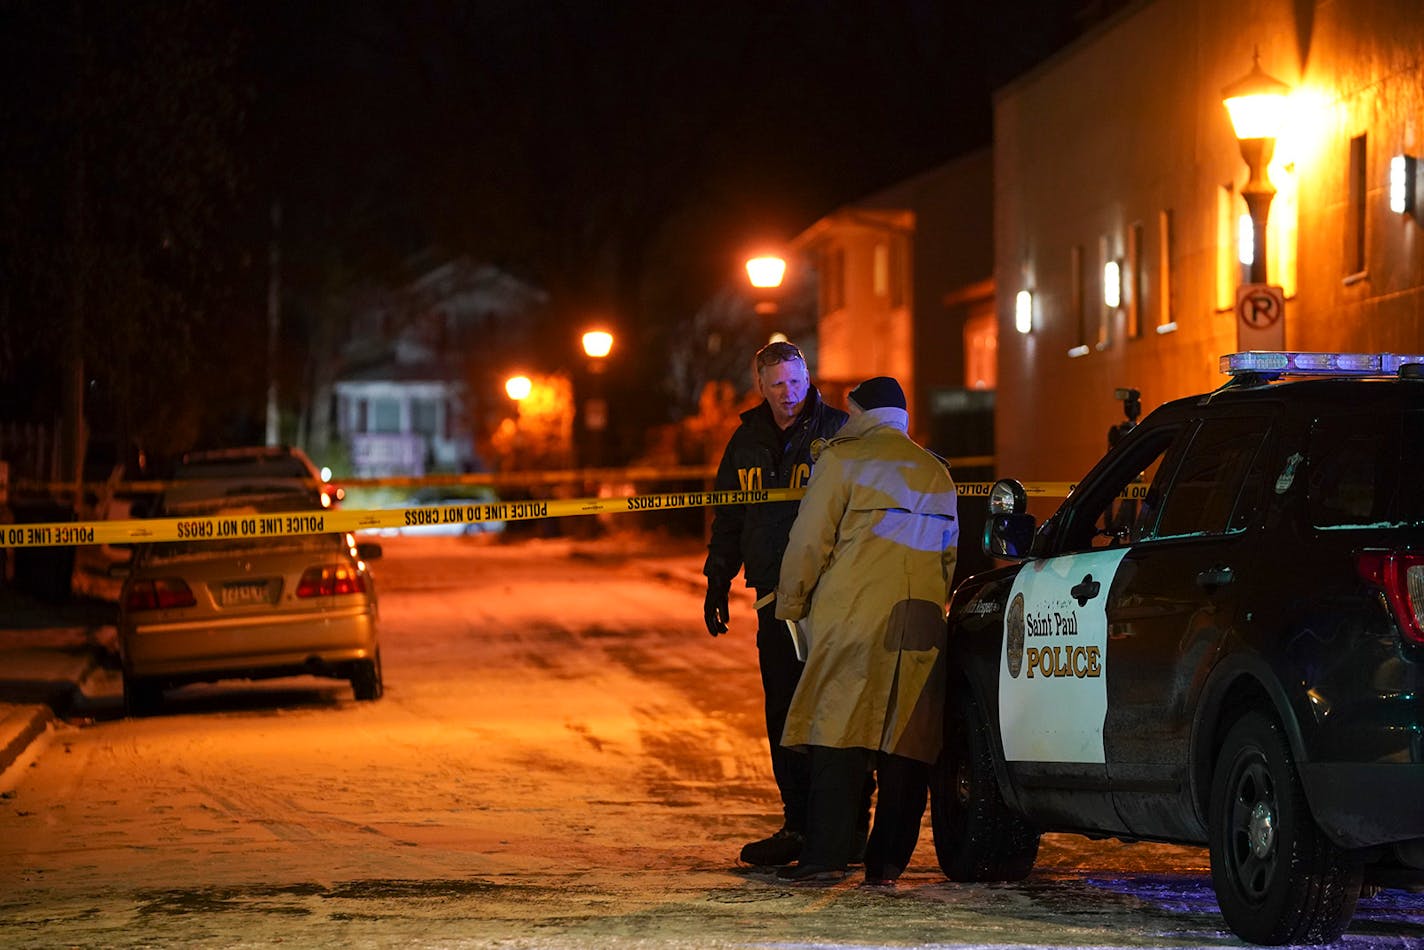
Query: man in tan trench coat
column 867, row 575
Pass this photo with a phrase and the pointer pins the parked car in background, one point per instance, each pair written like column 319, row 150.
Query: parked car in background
column 204, row 610
column 108, row 495
column 246, row 473
column 1217, row 639
column 468, row 500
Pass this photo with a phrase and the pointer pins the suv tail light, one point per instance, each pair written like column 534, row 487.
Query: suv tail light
column 329, row 580
column 1401, row 577
column 160, row 594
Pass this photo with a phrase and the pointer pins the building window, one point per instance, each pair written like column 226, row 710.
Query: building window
column 1284, row 225
column 363, row 418
column 425, row 417
column 1166, row 251
column 385, row 415
column 1106, row 309
column 834, row 285
column 1075, row 302
column 981, row 351
column 1228, row 267
column 1355, row 209
column 899, row 272
column 1134, row 280
column 881, row 270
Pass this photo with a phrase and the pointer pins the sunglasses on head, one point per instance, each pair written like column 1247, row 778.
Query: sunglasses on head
column 778, row 352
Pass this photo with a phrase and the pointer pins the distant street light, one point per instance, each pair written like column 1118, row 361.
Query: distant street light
column 518, row 387
column 597, row 344
column 1256, row 104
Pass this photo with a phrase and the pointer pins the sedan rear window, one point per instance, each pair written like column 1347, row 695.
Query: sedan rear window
column 269, row 467
column 171, row 551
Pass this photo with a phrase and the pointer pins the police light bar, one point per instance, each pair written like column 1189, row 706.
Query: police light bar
column 1284, row 363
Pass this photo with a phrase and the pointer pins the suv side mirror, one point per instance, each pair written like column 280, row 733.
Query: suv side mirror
column 1008, row 531
column 368, row 550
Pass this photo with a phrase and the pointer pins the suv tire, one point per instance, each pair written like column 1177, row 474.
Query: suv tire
column 977, row 837
column 1278, row 879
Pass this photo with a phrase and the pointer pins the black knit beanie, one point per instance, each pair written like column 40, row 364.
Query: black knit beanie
column 879, row 392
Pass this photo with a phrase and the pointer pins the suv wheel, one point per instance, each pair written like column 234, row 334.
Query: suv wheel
column 366, row 681
column 1278, row 879
column 977, row 836
column 142, row 697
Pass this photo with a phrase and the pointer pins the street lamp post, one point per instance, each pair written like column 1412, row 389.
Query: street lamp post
column 1256, row 104
column 766, row 274
column 517, row 388
column 597, row 344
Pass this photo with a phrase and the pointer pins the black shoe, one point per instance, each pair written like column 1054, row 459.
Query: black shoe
column 781, row 848
column 881, row 876
column 811, row 874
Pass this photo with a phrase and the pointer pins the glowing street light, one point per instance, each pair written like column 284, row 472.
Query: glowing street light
column 1256, row 104
column 766, row 273
column 518, row 387
column 597, row 344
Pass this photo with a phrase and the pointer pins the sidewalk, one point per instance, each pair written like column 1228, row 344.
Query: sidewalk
column 46, row 652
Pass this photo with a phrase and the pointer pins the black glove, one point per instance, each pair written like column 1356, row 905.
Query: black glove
column 714, row 608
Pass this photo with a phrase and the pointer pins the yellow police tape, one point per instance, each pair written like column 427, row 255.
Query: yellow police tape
column 644, row 473
column 252, row 524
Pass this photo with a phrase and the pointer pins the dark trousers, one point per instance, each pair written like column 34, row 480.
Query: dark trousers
column 838, row 783
column 780, row 672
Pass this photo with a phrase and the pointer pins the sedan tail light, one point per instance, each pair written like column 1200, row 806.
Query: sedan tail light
column 160, row 594
column 330, row 579
column 1401, row 577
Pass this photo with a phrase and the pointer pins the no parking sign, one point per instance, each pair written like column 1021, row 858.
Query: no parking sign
column 1260, row 317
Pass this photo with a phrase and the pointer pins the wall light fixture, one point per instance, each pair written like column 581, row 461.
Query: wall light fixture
column 1112, row 285
column 1403, row 173
column 1023, row 312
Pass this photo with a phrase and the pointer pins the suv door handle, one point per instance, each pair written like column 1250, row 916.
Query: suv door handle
column 1214, row 577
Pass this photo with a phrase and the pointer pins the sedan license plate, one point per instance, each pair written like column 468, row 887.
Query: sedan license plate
column 240, row 593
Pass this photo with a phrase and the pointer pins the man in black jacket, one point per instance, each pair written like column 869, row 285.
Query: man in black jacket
column 770, row 449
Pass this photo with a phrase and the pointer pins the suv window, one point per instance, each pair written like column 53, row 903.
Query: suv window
column 1357, row 470
column 1209, row 482
column 1096, row 517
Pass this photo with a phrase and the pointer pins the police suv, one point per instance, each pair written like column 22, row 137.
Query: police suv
column 1217, row 639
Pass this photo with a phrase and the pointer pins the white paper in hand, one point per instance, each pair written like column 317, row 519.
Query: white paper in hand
column 798, row 639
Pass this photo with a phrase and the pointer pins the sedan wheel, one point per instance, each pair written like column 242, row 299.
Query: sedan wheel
column 366, row 680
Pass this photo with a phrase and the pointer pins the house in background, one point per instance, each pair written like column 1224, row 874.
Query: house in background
column 907, row 290
column 421, row 359
column 906, row 279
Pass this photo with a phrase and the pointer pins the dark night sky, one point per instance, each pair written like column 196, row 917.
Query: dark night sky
column 620, row 154
column 585, row 144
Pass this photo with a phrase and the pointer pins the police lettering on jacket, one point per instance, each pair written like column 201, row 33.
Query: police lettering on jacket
column 749, row 479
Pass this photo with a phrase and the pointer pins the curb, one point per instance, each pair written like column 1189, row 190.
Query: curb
column 41, row 684
column 20, row 726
